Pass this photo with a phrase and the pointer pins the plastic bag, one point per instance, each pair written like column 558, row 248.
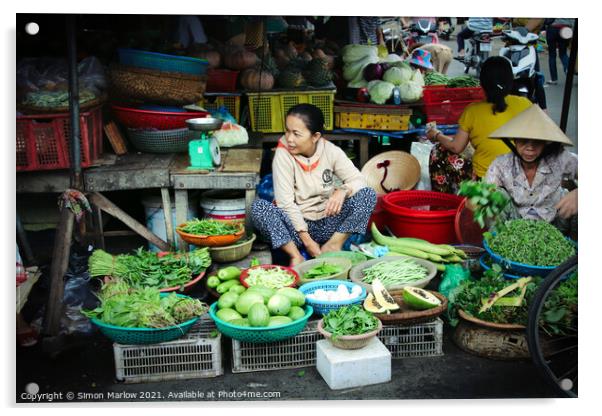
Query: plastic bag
column 265, row 189
column 422, row 152
column 452, row 277
column 231, row 134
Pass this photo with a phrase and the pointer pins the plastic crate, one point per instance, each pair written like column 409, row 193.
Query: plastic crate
column 422, row 340
column 296, row 352
column 267, row 110
column 440, row 94
column 43, row 140
column 212, row 102
column 445, row 113
column 221, row 80
column 162, row 62
column 196, row 355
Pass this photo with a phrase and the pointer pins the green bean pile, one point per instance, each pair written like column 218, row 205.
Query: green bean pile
column 210, row 227
column 391, row 273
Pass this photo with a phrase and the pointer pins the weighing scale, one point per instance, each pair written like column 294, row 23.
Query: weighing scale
column 204, row 149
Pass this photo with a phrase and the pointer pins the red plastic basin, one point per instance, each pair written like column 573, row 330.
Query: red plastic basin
column 422, row 214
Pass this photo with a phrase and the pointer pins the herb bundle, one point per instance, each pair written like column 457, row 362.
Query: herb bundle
column 210, row 227
column 487, row 201
column 349, row 320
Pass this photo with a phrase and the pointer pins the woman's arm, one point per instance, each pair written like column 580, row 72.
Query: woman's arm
column 346, row 171
column 284, row 189
column 455, row 144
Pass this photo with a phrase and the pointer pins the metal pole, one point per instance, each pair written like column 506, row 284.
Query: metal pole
column 74, row 138
column 568, row 86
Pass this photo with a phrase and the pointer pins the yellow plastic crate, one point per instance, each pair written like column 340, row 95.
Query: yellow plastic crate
column 267, row 110
column 372, row 119
column 231, row 101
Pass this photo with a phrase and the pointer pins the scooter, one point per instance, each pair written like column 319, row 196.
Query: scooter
column 445, row 28
column 519, row 48
column 422, row 31
column 478, row 51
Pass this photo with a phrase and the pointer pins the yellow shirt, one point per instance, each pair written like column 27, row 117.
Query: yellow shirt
column 479, row 122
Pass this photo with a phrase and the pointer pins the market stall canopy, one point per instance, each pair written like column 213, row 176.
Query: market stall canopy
column 534, row 124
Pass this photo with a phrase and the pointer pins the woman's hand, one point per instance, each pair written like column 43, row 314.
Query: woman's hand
column 311, row 246
column 567, row 206
column 431, row 134
column 335, row 203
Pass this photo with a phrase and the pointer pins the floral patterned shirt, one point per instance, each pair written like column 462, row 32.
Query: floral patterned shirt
column 535, row 201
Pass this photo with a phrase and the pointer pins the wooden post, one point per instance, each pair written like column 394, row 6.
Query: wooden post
column 60, row 262
column 167, row 214
column 181, row 214
column 249, row 198
column 107, row 206
column 100, row 234
column 364, row 151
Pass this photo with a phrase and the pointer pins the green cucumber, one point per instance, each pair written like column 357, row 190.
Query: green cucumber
column 225, row 286
column 213, row 282
column 228, row 273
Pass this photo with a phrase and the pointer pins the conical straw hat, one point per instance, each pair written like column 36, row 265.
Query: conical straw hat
column 532, row 124
column 403, row 171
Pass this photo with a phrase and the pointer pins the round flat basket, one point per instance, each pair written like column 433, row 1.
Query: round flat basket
column 259, row 335
column 83, row 107
column 289, row 270
column 349, row 342
column 234, row 252
column 303, row 268
column 408, row 316
column 355, row 257
column 161, row 141
column 323, row 307
column 357, row 273
column 392, row 171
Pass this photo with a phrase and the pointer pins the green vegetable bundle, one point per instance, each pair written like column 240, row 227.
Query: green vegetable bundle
column 438, row 254
column 273, row 278
column 532, row 242
column 463, row 81
column 435, row 78
column 487, row 201
column 127, row 307
column 323, row 270
column 349, row 320
column 146, row 269
column 559, row 312
column 210, row 227
column 398, row 272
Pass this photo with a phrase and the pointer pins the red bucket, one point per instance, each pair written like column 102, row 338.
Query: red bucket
column 423, row 214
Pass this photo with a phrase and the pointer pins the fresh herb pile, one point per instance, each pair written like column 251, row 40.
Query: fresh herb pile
column 435, row 78
column 146, row 269
column 274, row 278
column 558, row 316
column 463, row 81
column 532, row 242
column 321, row 271
column 124, row 306
column 485, row 198
column 349, row 320
column 210, row 227
column 397, row 272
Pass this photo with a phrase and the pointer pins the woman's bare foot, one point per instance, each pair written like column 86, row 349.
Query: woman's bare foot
column 328, row 247
column 296, row 260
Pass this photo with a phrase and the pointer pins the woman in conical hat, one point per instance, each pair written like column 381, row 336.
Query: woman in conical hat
column 534, row 172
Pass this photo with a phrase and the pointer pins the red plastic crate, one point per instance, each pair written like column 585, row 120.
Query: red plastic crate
column 221, row 80
column 43, row 140
column 445, row 113
column 441, row 94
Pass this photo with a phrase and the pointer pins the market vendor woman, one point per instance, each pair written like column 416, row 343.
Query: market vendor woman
column 538, row 173
column 310, row 210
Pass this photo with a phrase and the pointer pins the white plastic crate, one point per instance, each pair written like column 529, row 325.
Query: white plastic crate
column 298, row 351
column 422, row 340
column 198, row 354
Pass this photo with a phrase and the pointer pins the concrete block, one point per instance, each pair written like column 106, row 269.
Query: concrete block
column 343, row 369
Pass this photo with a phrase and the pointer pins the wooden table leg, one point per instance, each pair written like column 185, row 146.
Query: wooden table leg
column 249, row 198
column 181, row 214
column 167, row 214
column 100, row 234
column 364, row 142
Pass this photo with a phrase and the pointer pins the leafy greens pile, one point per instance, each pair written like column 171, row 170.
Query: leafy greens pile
column 487, row 201
column 210, row 227
column 558, row 316
column 323, row 270
column 349, row 320
column 532, row 242
column 126, row 307
column 146, row 269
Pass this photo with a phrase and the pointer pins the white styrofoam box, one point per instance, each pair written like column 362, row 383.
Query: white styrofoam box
column 342, row 369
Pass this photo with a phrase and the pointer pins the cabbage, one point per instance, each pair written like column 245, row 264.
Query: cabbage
column 354, row 70
column 395, row 76
column 418, row 78
column 410, row 91
column 392, row 58
column 353, row 53
column 357, row 84
column 380, row 91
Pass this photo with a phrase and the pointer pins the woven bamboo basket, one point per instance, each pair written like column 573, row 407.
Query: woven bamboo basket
column 157, row 87
column 32, row 109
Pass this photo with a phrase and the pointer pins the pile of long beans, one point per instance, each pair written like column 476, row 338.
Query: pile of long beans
column 392, row 273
